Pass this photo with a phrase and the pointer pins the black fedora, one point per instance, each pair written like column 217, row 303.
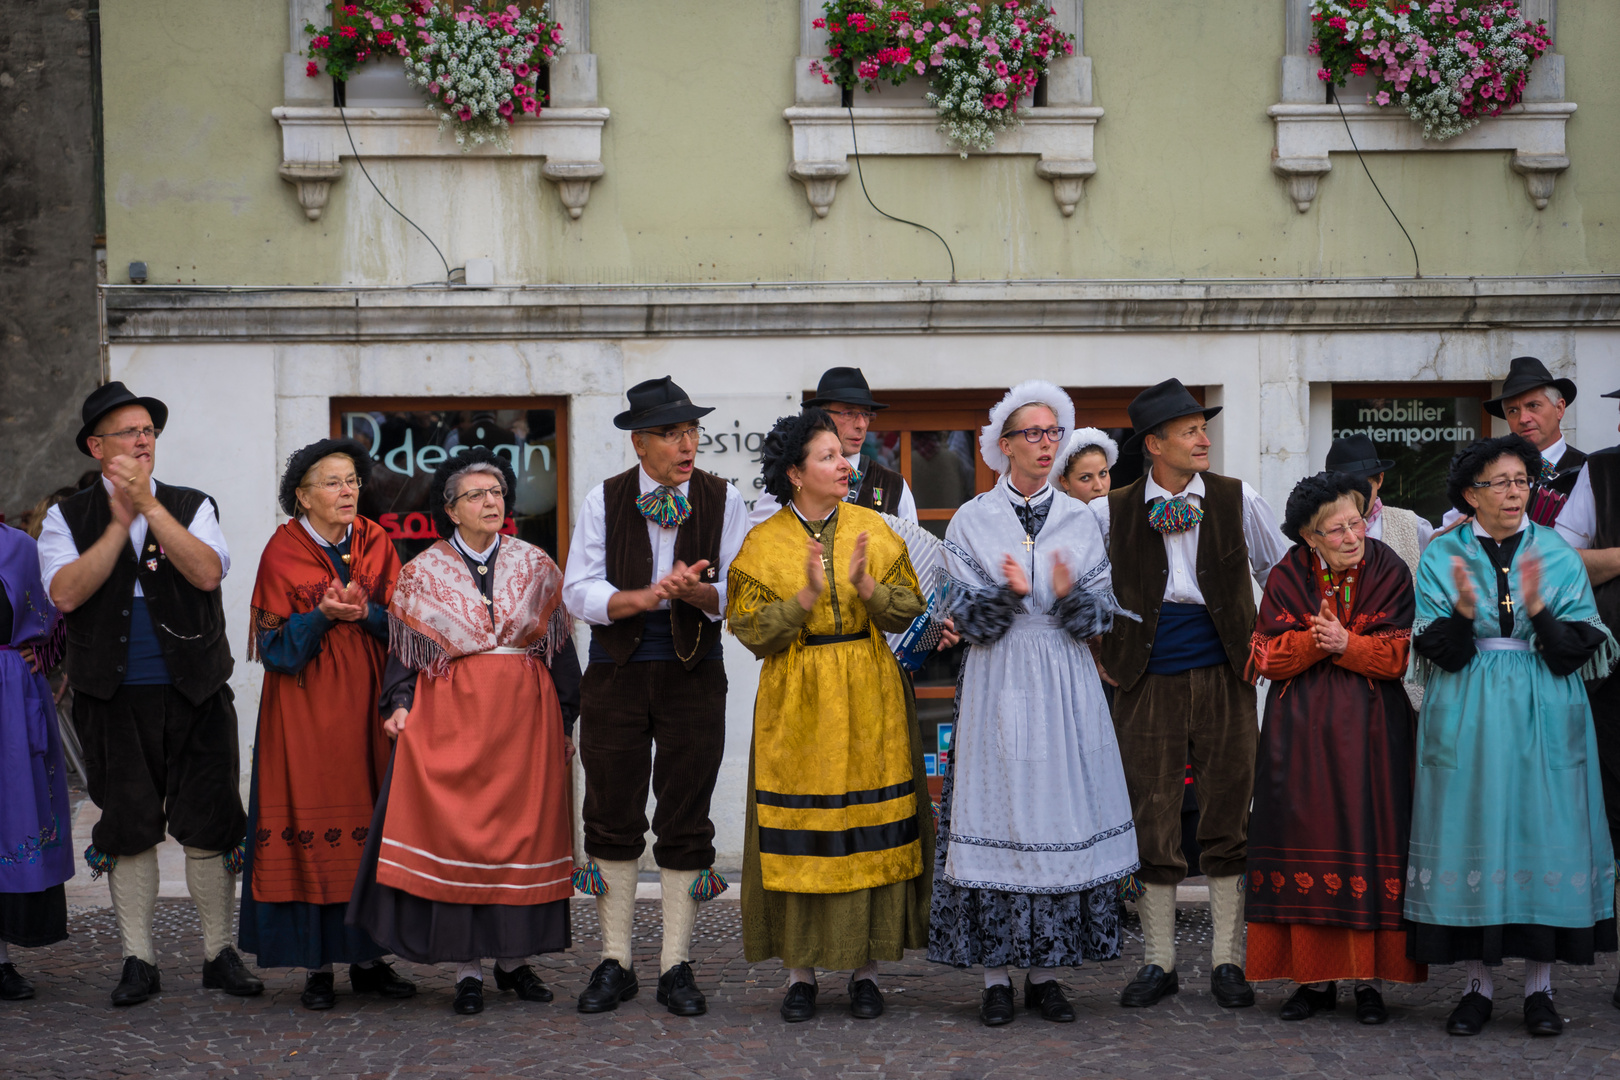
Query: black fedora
column 655, row 403
column 1155, row 405
column 1611, row 393
column 1525, row 373
column 1355, row 455
column 115, row 395
column 844, row 386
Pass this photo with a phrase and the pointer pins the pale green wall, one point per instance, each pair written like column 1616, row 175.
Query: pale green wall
column 696, row 155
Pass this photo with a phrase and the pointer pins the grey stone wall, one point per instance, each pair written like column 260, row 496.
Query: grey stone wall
column 48, row 350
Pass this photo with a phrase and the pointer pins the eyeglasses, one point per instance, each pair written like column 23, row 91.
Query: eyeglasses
column 1502, row 483
column 332, row 487
column 679, row 435
column 480, row 496
column 852, row 414
column 1036, row 434
column 1338, row 533
column 147, row 432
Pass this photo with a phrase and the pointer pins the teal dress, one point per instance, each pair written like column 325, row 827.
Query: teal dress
column 1510, row 851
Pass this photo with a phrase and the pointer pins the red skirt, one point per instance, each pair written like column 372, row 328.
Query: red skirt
column 1305, row 953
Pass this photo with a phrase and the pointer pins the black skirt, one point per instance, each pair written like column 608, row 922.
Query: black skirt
column 1430, row 944
column 33, row 919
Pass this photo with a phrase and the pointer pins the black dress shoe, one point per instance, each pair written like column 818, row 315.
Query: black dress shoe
column 523, row 981
column 865, row 999
column 1540, row 1017
column 678, row 992
column 610, row 984
column 318, row 991
column 1229, row 988
column 1048, row 997
column 227, row 972
column 140, row 981
column 380, row 978
column 469, row 996
column 800, row 1003
column 1370, row 1006
column 13, row 987
column 1305, row 1003
column 1470, row 1016
column 1152, row 982
column 997, row 1007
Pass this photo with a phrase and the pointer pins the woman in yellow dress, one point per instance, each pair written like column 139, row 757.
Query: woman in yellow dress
column 839, row 840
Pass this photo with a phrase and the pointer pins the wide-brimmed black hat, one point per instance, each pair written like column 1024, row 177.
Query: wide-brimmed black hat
column 844, row 386
column 1611, row 393
column 655, row 403
column 1355, row 455
column 1155, row 405
column 303, row 460
column 115, row 395
column 1525, row 373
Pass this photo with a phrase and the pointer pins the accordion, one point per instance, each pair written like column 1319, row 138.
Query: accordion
column 921, row 638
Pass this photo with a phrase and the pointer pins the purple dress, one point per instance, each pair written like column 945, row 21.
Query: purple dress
column 36, row 837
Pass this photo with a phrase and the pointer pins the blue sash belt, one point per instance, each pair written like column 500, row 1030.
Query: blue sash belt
column 1185, row 638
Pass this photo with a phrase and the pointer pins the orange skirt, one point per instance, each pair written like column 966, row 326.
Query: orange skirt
column 1305, row 953
column 478, row 807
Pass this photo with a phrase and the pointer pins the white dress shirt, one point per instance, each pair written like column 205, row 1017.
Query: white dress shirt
column 766, row 504
column 1265, row 540
column 1425, row 531
column 1577, row 521
column 57, row 549
column 586, row 589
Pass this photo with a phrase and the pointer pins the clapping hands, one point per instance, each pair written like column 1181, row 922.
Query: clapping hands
column 1327, row 631
column 348, row 604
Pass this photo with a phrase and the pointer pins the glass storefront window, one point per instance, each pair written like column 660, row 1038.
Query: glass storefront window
column 1419, row 428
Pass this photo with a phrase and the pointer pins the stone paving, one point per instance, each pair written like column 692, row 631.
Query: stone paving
column 930, row 1029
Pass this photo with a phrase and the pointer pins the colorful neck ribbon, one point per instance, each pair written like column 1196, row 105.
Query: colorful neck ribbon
column 855, row 476
column 1171, row 516
column 1548, row 472
column 664, row 507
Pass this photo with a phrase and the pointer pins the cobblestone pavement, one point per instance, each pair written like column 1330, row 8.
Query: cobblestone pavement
column 930, row 1029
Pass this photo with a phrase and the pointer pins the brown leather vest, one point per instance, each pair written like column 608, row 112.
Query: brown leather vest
column 630, row 563
column 875, row 479
column 1142, row 566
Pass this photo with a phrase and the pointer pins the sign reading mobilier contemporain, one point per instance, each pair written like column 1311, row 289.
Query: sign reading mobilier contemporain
column 1420, row 434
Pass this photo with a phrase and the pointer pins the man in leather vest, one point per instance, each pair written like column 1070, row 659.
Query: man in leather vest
column 647, row 570
column 844, row 395
column 136, row 565
column 1590, row 521
column 1184, row 543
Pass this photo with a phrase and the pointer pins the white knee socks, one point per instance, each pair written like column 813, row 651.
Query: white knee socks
column 1042, row 975
column 1157, row 907
column 1226, row 919
column 680, row 912
column 471, row 969
column 996, row 977
column 134, row 886
column 510, row 964
column 1537, row 978
column 802, row 975
column 616, row 909
column 213, row 890
column 1478, row 980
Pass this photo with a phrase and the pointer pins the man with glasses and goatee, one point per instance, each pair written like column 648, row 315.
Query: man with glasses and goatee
column 136, row 567
column 647, row 569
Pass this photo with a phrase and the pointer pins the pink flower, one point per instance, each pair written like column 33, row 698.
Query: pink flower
column 464, row 114
column 1358, row 69
column 921, row 67
column 556, row 35
column 505, row 109
column 397, row 20
column 1001, row 68
column 1324, row 74
column 998, row 100
column 523, row 71
column 1383, row 97
column 376, row 23
column 433, row 88
column 530, row 105
column 312, row 70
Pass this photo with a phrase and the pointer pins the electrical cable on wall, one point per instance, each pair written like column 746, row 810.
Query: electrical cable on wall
column 360, row 162
column 873, row 205
column 1417, row 268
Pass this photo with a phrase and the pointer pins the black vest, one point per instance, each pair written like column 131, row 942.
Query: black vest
column 880, row 489
column 630, row 563
column 1603, row 468
column 190, row 623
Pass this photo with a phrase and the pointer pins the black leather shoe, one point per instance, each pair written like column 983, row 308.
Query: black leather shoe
column 13, row 987
column 469, row 996
column 1048, row 997
column 140, row 981
column 800, row 1003
column 1540, row 1017
column 524, row 982
column 318, row 991
column 610, row 984
column 1370, row 1006
column 1305, row 1003
column 865, row 1000
column 227, row 972
column 1470, row 1016
column 997, row 1008
column 1229, row 988
column 1152, row 982
column 678, row 992
column 380, row 978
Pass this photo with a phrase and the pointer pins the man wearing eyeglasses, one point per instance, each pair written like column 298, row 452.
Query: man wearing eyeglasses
column 136, row 565
column 647, row 570
column 844, row 395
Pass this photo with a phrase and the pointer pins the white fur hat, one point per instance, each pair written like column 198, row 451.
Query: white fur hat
column 1080, row 440
column 1033, row 392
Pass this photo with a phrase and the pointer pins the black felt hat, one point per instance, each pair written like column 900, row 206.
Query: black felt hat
column 1357, row 456
column 115, row 395
column 303, row 460
column 1525, row 373
column 1153, row 406
column 1612, row 394
column 472, row 455
column 844, row 386
column 655, row 403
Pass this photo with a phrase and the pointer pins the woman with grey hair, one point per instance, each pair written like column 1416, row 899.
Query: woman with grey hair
column 470, row 849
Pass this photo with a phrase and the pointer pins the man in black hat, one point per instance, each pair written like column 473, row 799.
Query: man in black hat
column 1404, row 531
column 1533, row 404
column 1184, row 542
column 844, row 395
column 136, row 567
column 647, row 569
column 1590, row 522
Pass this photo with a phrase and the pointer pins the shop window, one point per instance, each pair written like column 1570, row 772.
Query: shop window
column 1418, row 426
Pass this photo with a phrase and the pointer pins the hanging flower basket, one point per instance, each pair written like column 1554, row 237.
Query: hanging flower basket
column 981, row 60
column 1448, row 63
column 477, row 70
